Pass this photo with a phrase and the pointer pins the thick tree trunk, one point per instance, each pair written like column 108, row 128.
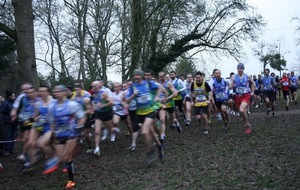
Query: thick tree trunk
column 136, row 13
column 25, row 41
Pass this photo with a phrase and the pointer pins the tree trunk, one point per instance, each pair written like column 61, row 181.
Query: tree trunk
column 25, row 41
column 136, row 34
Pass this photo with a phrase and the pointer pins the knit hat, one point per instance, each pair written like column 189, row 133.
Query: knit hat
column 241, row 65
column 138, row 72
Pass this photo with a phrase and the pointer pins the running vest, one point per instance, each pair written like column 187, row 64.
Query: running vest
column 200, row 95
column 257, row 84
column 27, row 111
column 43, row 123
column 99, row 99
column 241, row 85
column 285, row 83
column 80, row 100
column 64, row 121
column 118, row 107
column 293, row 82
column 221, row 90
column 267, row 83
column 143, row 98
column 177, row 87
column 162, row 95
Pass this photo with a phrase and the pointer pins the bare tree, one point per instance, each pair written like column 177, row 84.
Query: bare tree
column 208, row 26
column 23, row 35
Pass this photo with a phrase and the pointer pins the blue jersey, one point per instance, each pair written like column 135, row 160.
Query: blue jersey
column 143, row 98
column 27, row 110
column 241, row 84
column 293, row 82
column 268, row 83
column 65, row 116
column 220, row 89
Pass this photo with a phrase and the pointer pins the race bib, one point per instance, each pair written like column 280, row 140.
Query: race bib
column 220, row 95
column 117, row 107
column 285, row 83
column 268, row 87
column 144, row 98
column 200, row 98
column 241, row 90
column 63, row 127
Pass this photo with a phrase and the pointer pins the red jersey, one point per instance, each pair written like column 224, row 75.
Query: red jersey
column 285, row 81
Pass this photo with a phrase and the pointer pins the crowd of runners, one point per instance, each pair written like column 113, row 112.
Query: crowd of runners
column 53, row 121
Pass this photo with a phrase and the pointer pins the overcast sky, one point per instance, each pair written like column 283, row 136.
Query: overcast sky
column 278, row 15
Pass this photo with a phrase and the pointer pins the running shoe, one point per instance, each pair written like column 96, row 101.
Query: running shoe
column 256, row 106
column 89, row 151
column 248, row 130
column 104, row 134
column 21, row 157
column 273, row 114
column 132, row 148
column 112, row 137
column 179, row 129
column 51, row 165
column 27, row 167
column 205, row 132
column 97, row 152
column 187, row 123
column 70, row 185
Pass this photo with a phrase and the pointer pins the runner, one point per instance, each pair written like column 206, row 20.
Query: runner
column 66, row 117
column 257, row 91
column 82, row 97
column 181, row 88
column 294, row 86
column 268, row 84
column 141, row 91
column 168, row 104
column 40, row 134
column 120, row 111
column 241, row 84
column 285, row 83
column 102, row 106
column 187, row 99
column 221, row 93
column 199, row 97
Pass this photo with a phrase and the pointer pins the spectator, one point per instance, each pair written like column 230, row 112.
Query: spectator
column 10, row 128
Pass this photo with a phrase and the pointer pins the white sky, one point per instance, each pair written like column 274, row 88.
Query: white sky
column 278, row 15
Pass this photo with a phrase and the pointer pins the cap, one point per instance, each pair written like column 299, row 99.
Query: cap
column 241, row 65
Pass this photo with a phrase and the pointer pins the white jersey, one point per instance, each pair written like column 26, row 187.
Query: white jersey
column 118, row 107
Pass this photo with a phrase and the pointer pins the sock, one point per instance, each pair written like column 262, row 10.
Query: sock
column 71, row 170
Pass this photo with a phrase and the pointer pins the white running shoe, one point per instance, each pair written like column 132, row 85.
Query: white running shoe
column 104, row 134
column 112, row 137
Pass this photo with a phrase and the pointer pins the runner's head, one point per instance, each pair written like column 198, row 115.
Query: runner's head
column 267, row 72
column 173, row 75
column 240, row 68
column 217, row 73
column 138, row 75
column 199, row 77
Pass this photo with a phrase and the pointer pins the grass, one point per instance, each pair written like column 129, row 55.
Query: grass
column 267, row 159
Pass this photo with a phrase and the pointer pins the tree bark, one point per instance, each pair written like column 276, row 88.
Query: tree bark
column 25, row 41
